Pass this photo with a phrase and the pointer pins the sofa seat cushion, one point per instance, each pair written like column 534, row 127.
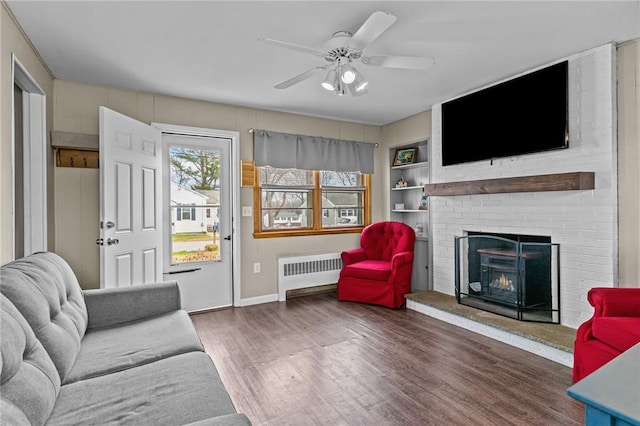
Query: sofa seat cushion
column 619, row 332
column 110, row 349
column 173, row 391
column 376, row 270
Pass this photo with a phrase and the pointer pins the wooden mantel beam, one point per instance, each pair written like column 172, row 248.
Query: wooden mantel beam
column 552, row 182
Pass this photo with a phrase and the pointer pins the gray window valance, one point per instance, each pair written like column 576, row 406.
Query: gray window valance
column 288, row 151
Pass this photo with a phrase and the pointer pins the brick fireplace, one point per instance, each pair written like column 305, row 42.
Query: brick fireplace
column 583, row 222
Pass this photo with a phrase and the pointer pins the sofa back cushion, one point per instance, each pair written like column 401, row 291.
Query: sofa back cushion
column 46, row 292
column 29, row 382
column 382, row 240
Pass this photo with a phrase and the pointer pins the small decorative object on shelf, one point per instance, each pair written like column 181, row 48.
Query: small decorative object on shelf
column 399, row 206
column 401, row 183
column 424, row 201
column 405, row 156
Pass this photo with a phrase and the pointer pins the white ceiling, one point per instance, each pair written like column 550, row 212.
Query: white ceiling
column 209, row 50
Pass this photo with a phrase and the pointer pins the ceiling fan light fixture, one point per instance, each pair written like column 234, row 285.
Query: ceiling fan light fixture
column 360, row 84
column 348, row 74
column 329, row 83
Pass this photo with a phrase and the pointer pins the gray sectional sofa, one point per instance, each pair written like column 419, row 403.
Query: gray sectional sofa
column 118, row 356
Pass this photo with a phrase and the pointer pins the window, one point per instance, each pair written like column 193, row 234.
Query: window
column 301, row 202
column 194, row 191
column 186, row 213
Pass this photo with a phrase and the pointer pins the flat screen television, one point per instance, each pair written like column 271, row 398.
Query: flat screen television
column 524, row 115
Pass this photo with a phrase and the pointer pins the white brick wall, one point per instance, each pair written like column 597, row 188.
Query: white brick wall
column 584, row 223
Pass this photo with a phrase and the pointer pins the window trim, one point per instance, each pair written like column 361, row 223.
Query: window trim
column 317, row 210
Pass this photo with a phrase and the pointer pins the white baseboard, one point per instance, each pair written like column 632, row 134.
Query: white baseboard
column 537, row 348
column 257, row 300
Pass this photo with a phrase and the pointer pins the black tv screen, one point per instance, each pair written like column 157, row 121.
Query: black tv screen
column 524, row 115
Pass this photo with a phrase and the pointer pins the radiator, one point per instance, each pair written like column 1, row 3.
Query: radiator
column 307, row 271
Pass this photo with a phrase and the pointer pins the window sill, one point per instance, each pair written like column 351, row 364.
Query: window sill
column 308, row 232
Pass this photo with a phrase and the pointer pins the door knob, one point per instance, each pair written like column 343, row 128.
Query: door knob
column 112, row 241
column 228, row 238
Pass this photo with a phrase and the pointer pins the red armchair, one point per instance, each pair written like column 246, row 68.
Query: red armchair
column 380, row 271
column 614, row 328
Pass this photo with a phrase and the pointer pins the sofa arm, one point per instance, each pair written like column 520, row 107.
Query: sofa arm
column 615, row 302
column 353, row 256
column 119, row 305
column 400, row 259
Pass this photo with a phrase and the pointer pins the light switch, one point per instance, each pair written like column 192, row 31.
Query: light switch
column 247, row 211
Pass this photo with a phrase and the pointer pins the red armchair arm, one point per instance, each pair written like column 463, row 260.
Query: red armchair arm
column 400, row 259
column 615, row 302
column 353, row 256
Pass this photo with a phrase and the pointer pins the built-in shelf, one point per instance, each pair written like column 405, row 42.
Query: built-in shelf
column 409, row 199
column 552, row 182
column 410, row 166
column 407, row 188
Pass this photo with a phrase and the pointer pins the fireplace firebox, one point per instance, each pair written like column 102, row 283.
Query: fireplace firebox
column 511, row 275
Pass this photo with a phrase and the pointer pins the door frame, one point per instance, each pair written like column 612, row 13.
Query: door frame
column 234, row 137
column 34, row 167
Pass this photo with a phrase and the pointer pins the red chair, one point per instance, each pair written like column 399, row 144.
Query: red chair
column 380, row 271
column 614, row 328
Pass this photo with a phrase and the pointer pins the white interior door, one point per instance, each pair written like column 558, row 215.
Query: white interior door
column 198, row 219
column 130, row 201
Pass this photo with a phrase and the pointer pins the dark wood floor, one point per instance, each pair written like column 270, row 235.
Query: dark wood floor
column 314, row 360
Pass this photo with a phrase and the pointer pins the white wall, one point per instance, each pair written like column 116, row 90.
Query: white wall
column 584, row 223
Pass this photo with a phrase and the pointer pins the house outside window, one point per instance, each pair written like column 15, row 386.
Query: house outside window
column 301, row 202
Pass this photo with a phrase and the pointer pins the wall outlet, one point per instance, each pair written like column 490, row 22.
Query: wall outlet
column 256, row 268
column 247, row 211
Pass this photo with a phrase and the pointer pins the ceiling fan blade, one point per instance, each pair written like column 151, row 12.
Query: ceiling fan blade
column 406, row 62
column 298, row 78
column 375, row 25
column 292, row 46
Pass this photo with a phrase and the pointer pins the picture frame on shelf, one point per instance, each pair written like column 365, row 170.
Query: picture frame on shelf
column 405, row 156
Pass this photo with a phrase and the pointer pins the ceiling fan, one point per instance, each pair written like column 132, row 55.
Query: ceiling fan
column 343, row 49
